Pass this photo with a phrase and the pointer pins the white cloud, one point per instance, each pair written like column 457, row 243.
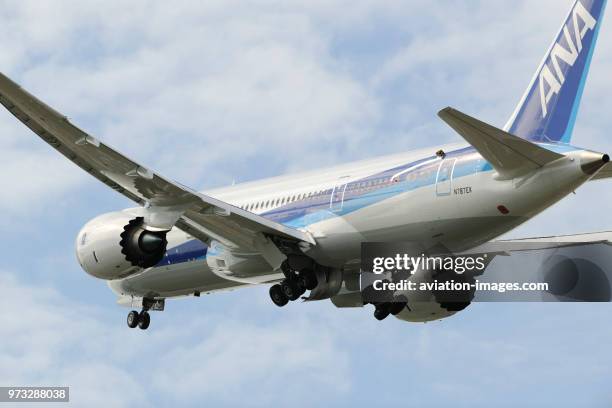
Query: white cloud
column 219, row 87
column 51, row 340
column 32, row 180
column 209, row 91
column 241, row 358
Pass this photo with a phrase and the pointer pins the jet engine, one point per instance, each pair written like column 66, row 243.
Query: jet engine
column 409, row 305
column 116, row 245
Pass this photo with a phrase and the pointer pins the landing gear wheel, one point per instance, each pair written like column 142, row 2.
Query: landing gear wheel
column 291, row 289
column 381, row 312
column 132, row 319
column 144, row 320
column 307, row 279
column 396, row 307
column 278, row 296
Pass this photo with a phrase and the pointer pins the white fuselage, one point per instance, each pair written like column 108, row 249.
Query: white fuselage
column 456, row 201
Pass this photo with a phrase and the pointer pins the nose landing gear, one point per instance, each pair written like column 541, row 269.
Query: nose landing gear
column 142, row 319
column 132, row 319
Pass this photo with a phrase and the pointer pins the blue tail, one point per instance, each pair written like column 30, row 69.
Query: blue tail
column 547, row 111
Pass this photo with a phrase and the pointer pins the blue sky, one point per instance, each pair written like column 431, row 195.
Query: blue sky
column 210, row 92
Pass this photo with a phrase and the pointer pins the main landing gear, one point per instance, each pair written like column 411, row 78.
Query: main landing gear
column 382, row 310
column 142, row 319
column 293, row 286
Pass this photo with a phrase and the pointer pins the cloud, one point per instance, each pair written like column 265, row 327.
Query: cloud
column 52, row 340
column 240, row 359
column 34, row 178
column 310, row 354
column 268, row 85
column 206, row 92
column 252, row 78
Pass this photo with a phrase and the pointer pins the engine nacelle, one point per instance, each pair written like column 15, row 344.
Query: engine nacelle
column 427, row 305
column 116, row 245
column 420, row 305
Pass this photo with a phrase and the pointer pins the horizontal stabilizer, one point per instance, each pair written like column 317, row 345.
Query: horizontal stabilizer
column 510, row 155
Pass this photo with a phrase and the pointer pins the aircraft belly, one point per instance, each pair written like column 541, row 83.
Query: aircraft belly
column 173, row 280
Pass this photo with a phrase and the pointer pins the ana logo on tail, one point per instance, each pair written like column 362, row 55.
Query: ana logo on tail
column 580, row 16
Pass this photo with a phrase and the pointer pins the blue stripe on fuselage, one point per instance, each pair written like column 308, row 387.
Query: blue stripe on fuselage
column 308, row 211
column 302, row 213
column 186, row 252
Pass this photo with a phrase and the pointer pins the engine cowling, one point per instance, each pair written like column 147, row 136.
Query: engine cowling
column 425, row 306
column 116, row 245
column 414, row 306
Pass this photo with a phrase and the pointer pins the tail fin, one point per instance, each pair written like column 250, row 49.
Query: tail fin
column 547, row 111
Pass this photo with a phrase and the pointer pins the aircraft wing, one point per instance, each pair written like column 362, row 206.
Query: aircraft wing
column 200, row 215
column 605, row 172
column 507, row 246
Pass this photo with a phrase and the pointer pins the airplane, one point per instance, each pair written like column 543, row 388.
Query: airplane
column 303, row 232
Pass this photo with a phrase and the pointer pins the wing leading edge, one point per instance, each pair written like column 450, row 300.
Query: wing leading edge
column 199, row 214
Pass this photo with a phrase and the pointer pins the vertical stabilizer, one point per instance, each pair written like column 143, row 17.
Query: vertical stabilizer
column 547, row 111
